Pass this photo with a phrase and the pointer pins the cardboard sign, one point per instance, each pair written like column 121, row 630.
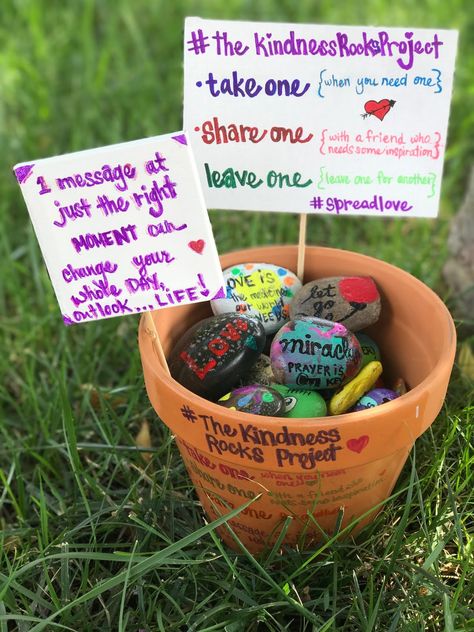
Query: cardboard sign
column 318, row 119
column 123, row 229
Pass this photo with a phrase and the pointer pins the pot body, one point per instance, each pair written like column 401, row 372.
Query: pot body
column 309, row 469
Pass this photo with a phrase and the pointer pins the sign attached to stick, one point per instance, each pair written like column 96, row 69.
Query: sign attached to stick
column 318, row 119
column 123, row 229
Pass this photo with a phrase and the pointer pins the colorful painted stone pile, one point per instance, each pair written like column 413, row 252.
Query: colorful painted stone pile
column 320, row 361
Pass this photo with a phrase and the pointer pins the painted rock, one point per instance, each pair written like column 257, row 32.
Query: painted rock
column 212, row 355
column 313, row 354
column 375, row 397
column 255, row 399
column 370, row 350
column 260, row 373
column 300, row 403
column 399, row 386
column 351, row 392
column 353, row 301
column 268, row 344
column 259, row 290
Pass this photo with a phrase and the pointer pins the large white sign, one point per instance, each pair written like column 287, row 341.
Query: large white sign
column 318, row 119
column 123, row 229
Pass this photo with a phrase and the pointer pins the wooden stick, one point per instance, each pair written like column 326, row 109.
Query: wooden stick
column 151, row 330
column 301, row 246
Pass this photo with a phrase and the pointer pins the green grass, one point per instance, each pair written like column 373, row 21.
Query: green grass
column 94, row 537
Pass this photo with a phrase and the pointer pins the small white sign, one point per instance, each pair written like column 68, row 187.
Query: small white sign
column 342, row 120
column 123, row 229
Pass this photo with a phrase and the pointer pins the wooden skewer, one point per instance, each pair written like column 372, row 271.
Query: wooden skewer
column 151, row 330
column 301, row 247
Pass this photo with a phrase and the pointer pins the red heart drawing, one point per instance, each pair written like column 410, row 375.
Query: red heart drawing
column 378, row 108
column 197, row 246
column 357, row 445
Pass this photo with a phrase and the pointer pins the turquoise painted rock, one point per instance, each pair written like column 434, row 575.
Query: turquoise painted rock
column 255, row 399
column 260, row 290
column 312, row 354
column 352, row 301
column 375, row 397
column 300, row 403
column 370, row 350
column 211, row 356
column 260, row 373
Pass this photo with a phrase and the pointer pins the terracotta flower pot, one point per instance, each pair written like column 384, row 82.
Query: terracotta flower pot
column 309, row 465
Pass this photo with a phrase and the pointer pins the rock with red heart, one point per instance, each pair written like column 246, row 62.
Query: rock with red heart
column 353, row 301
column 260, row 290
column 210, row 357
column 255, row 399
column 312, row 354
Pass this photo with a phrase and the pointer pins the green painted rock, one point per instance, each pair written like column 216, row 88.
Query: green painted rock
column 301, row 403
column 370, row 350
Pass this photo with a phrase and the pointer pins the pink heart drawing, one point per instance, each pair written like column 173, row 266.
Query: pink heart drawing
column 357, row 445
column 197, row 246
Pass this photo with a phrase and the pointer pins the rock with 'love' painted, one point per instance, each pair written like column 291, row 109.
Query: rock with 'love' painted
column 312, row 354
column 211, row 356
column 255, row 399
column 260, row 290
column 353, row 301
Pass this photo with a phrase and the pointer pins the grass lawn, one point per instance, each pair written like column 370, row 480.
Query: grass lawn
column 93, row 534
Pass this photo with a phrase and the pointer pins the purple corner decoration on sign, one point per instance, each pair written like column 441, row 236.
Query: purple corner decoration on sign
column 180, row 138
column 220, row 294
column 22, row 173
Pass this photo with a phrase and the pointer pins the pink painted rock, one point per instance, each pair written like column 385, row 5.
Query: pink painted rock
column 312, row 354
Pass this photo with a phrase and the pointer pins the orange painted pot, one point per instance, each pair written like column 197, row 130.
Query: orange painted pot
column 315, row 465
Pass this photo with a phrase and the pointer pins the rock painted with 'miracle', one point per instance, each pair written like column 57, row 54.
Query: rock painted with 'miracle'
column 211, row 356
column 255, row 399
column 260, row 290
column 312, row 354
column 352, row 301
